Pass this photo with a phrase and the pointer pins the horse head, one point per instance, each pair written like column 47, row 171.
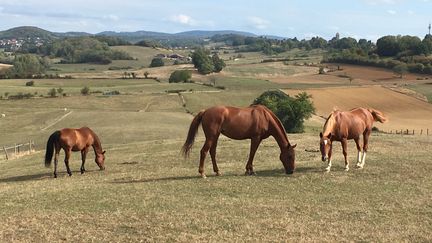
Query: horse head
column 325, row 145
column 100, row 160
column 287, row 157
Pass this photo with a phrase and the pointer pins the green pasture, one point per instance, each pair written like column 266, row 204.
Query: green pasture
column 142, row 59
column 424, row 89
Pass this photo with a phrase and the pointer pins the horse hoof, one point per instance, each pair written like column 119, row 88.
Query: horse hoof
column 327, row 170
column 203, row 176
column 218, row 173
column 346, row 169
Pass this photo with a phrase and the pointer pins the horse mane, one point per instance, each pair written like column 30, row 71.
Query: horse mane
column 278, row 122
column 97, row 144
column 330, row 123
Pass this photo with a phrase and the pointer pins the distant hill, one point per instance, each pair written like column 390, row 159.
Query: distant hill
column 25, row 32
column 31, row 31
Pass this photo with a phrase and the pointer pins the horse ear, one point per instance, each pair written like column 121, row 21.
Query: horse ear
column 295, row 145
column 329, row 136
column 103, row 152
column 321, row 135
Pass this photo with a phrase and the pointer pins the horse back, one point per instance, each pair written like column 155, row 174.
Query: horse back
column 351, row 124
column 236, row 123
column 76, row 139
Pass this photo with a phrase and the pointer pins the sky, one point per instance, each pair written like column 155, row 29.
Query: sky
column 368, row 19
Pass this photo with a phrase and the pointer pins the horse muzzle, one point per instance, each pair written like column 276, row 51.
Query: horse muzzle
column 289, row 172
column 102, row 167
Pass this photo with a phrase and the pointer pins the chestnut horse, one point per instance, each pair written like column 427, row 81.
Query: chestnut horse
column 344, row 125
column 69, row 140
column 256, row 122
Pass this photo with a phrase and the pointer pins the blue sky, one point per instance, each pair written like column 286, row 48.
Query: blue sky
column 368, row 19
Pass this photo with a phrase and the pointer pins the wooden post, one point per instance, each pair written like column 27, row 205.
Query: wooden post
column 421, row 131
column 413, row 131
column 427, row 133
column 407, row 132
column 401, row 132
column 7, row 157
column 15, row 149
column 30, row 147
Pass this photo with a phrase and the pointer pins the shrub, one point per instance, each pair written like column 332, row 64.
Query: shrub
column 85, row 91
column 30, row 83
column 180, row 76
column 157, row 62
column 52, row 92
column 291, row 111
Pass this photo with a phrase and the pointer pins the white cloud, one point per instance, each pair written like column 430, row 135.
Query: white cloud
column 112, row 17
column 392, row 12
column 258, row 22
column 183, row 19
column 410, row 12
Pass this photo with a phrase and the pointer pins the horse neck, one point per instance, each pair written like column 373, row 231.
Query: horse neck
column 96, row 144
column 278, row 132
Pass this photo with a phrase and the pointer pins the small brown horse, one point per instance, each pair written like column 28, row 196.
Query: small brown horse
column 69, row 140
column 344, row 125
column 255, row 122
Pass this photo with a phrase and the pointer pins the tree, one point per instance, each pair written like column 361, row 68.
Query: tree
column 26, row 66
column 157, row 62
column 202, row 61
column 60, row 90
column 146, row 74
column 388, row 46
column 85, row 91
column 180, row 76
column 291, row 111
column 218, row 63
column 400, row 69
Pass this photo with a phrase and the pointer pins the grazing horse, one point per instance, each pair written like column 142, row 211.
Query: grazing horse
column 69, row 140
column 255, row 122
column 344, row 125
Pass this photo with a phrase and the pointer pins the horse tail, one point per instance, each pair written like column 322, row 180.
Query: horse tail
column 378, row 115
column 193, row 129
column 50, row 147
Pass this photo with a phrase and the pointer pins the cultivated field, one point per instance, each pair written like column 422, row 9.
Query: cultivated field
column 403, row 111
column 148, row 192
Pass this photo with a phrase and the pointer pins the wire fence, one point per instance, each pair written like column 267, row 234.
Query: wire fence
column 18, row 150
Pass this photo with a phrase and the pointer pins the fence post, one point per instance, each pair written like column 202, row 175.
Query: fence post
column 413, row 131
column 427, row 132
column 421, row 131
column 7, row 156
column 401, row 132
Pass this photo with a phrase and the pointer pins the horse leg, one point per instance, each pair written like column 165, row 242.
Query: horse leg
column 329, row 164
column 56, row 155
column 255, row 142
column 83, row 158
column 365, row 146
column 359, row 152
column 68, row 153
column 213, row 158
column 207, row 145
column 344, row 151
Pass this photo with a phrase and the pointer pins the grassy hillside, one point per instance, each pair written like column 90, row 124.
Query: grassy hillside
column 148, row 192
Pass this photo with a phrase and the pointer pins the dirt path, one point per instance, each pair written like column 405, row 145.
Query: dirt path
column 57, row 121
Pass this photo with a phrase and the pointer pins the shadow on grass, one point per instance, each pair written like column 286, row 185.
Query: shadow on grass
column 26, row 177
column 262, row 173
column 41, row 176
